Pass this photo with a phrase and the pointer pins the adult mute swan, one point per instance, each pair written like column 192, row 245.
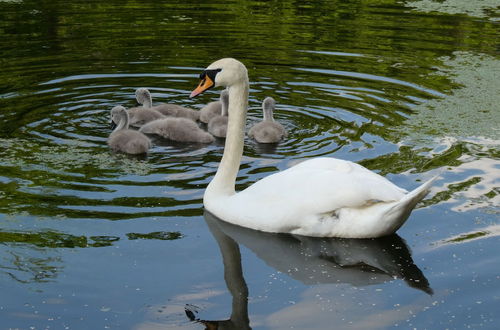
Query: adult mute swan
column 268, row 130
column 123, row 139
column 324, row 197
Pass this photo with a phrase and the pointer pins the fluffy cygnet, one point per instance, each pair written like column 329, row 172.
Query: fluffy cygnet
column 123, row 139
column 268, row 130
column 217, row 126
column 170, row 110
column 211, row 110
column 177, row 129
column 142, row 114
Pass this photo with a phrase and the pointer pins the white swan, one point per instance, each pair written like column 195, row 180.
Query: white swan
column 217, row 126
column 177, row 129
column 319, row 197
column 143, row 96
column 268, row 130
column 211, row 110
column 123, row 139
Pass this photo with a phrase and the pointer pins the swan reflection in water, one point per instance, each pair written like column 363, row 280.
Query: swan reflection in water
column 310, row 260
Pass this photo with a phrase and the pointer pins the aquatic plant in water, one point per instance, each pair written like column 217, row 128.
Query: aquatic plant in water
column 478, row 8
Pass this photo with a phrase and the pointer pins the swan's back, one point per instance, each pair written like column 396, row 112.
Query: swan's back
column 140, row 116
column 210, row 110
column 326, row 184
column 174, row 110
column 217, row 126
column 177, row 129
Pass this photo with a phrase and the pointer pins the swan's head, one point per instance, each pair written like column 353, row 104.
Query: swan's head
column 268, row 107
column 142, row 95
column 268, row 104
column 225, row 72
column 118, row 113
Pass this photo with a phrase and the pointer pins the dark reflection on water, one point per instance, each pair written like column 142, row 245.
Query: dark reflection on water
column 358, row 262
column 351, row 80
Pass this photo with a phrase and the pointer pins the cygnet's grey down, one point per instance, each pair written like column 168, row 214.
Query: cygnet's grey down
column 123, row 139
column 211, row 110
column 144, row 97
column 268, row 130
column 177, row 129
column 217, row 126
column 142, row 114
column 138, row 116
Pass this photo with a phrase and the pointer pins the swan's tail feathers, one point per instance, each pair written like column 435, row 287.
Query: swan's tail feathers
column 402, row 209
column 419, row 193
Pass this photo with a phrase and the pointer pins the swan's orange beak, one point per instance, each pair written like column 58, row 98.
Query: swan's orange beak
column 205, row 84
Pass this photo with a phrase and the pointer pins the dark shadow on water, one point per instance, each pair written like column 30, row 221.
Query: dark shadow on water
column 141, row 157
column 264, row 148
column 182, row 146
column 359, row 262
column 233, row 275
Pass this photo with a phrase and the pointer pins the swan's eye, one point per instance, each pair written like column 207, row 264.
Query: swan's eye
column 210, row 73
column 207, row 78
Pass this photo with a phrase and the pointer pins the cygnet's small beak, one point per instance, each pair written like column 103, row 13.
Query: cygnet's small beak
column 113, row 125
column 205, row 84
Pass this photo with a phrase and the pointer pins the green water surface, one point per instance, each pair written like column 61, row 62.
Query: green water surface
column 95, row 240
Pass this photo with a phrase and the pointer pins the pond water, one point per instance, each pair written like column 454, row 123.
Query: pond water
column 94, row 240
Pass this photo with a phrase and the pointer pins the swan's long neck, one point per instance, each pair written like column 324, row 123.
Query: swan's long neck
column 123, row 123
column 147, row 100
column 225, row 178
column 148, row 103
column 268, row 113
column 225, row 105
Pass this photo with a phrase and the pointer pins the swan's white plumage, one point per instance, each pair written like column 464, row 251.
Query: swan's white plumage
column 325, row 197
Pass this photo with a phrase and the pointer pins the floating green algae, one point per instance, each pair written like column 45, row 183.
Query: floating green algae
column 483, row 233
column 72, row 158
column 473, row 107
column 477, row 8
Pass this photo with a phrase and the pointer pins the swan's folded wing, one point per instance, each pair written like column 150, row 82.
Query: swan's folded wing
column 320, row 185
